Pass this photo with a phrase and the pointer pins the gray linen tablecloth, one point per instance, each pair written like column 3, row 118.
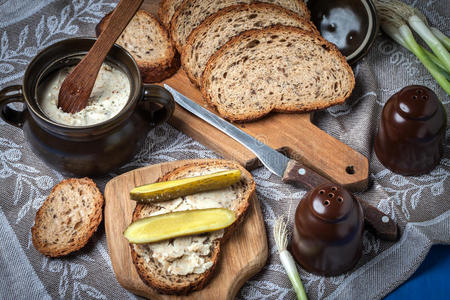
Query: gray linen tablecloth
column 419, row 204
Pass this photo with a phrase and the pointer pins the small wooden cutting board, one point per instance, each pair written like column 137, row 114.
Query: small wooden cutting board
column 243, row 255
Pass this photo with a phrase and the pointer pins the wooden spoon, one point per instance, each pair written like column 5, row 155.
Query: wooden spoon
column 77, row 87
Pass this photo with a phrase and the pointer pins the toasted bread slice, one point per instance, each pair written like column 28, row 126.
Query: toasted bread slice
column 166, row 10
column 185, row 264
column 68, row 218
column 192, row 13
column 279, row 68
column 149, row 44
column 219, row 28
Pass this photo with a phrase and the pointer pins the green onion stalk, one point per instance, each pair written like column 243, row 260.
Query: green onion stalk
column 445, row 40
column 394, row 34
column 392, row 16
column 280, row 233
column 437, row 33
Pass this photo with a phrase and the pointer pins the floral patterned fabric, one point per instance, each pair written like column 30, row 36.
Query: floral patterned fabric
column 420, row 205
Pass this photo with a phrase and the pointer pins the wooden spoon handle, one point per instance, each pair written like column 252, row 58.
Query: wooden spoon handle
column 121, row 16
column 119, row 19
column 78, row 85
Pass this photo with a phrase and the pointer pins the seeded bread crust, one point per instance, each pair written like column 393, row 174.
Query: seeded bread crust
column 151, row 273
column 279, row 68
column 149, row 44
column 231, row 21
column 68, row 218
column 166, row 10
column 192, row 13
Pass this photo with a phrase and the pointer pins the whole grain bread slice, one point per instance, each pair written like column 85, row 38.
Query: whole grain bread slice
column 192, row 13
column 220, row 27
column 155, row 274
column 149, row 44
column 279, row 68
column 68, row 218
column 166, row 10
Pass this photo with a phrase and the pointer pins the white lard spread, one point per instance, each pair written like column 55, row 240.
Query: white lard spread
column 109, row 95
column 188, row 255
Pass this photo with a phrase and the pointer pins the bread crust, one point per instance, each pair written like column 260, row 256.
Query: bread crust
column 187, row 49
column 154, row 70
column 304, row 7
column 80, row 241
column 176, row 16
column 193, row 282
column 162, row 12
column 255, row 115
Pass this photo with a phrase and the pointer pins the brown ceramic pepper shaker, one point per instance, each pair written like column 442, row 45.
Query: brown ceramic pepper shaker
column 411, row 135
column 328, row 229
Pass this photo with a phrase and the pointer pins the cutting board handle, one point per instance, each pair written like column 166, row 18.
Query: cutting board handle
column 328, row 156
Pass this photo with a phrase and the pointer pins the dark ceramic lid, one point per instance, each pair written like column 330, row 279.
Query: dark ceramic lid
column 330, row 203
column 417, row 102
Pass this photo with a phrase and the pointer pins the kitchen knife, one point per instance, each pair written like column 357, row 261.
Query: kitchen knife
column 291, row 171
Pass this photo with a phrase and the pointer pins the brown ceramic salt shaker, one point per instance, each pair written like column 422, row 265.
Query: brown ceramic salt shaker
column 328, row 229
column 411, row 135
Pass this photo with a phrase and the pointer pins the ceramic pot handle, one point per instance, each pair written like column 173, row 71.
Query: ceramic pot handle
column 9, row 115
column 159, row 95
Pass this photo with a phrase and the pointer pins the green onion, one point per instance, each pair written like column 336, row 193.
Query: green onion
column 418, row 22
column 437, row 33
column 436, row 61
column 393, row 24
column 280, row 233
column 445, row 40
column 394, row 33
column 425, row 33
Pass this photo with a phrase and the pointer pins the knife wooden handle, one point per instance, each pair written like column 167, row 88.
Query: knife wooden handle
column 379, row 223
column 297, row 173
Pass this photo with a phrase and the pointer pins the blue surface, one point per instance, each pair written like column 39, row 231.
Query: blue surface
column 431, row 280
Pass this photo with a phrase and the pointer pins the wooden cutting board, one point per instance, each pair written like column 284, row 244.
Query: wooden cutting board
column 292, row 133
column 243, row 255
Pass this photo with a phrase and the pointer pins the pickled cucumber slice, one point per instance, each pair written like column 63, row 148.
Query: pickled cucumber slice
column 168, row 190
column 180, row 223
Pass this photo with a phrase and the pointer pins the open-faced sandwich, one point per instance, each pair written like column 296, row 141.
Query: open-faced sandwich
column 186, row 263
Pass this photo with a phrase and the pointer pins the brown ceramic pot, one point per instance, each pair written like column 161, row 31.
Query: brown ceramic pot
column 328, row 230
column 85, row 150
column 351, row 25
column 411, row 135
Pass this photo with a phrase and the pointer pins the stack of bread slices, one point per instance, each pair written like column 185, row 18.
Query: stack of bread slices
column 250, row 58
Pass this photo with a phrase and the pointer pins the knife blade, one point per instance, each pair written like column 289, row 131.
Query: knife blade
column 291, row 171
column 271, row 159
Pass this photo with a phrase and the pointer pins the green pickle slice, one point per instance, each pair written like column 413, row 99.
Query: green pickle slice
column 168, row 190
column 176, row 224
